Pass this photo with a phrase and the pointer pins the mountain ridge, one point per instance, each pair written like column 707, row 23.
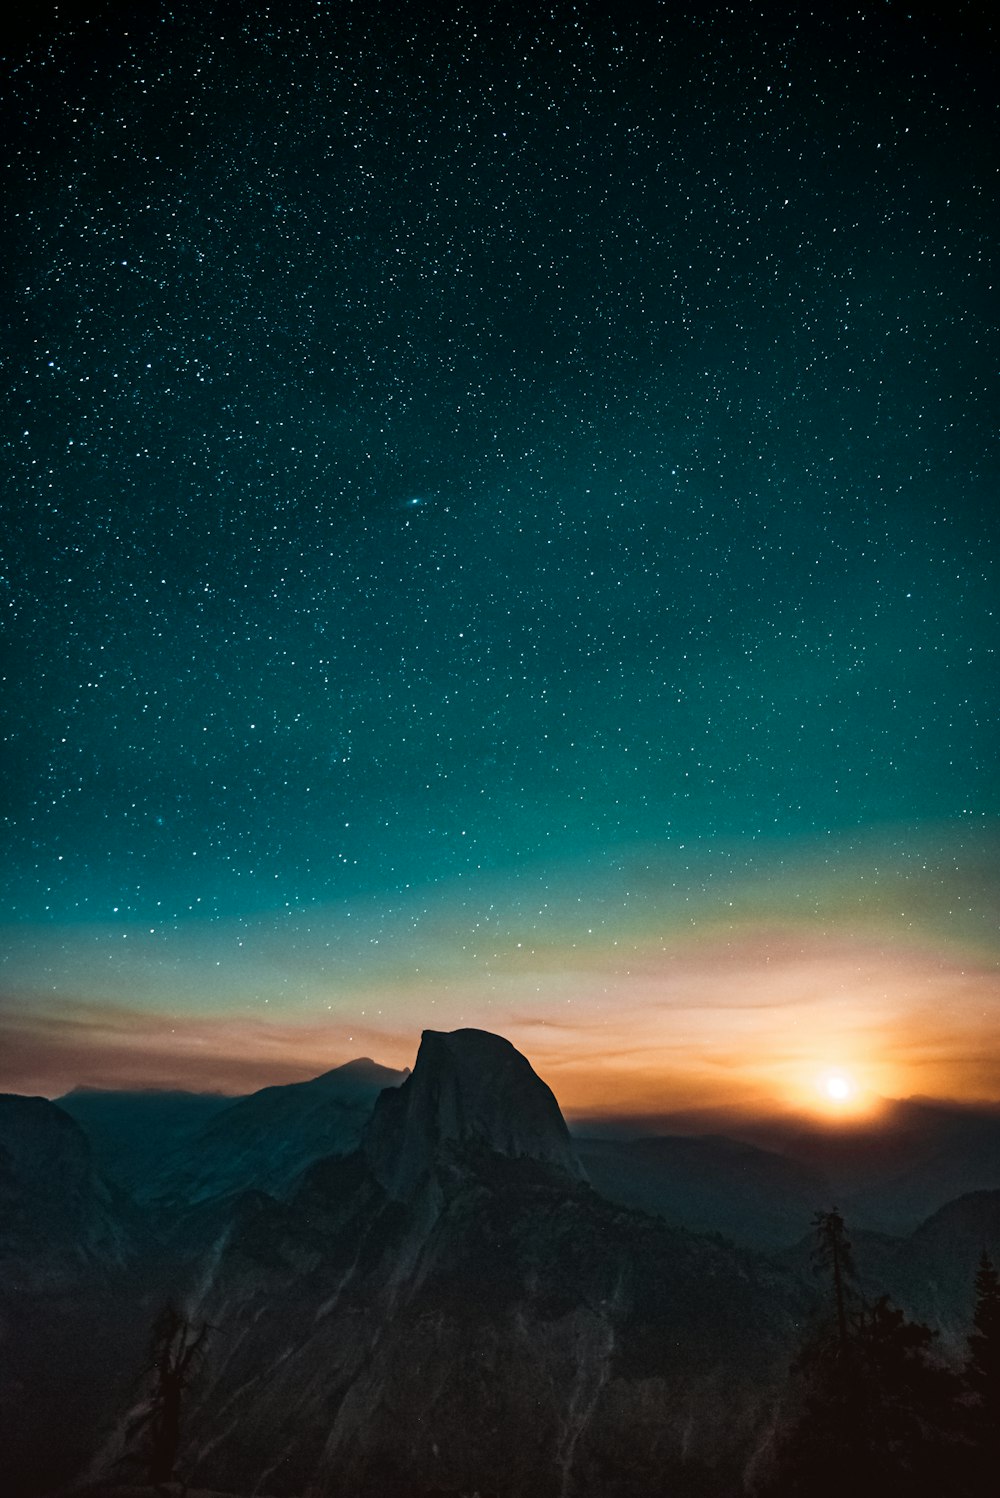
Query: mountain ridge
column 266, row 1140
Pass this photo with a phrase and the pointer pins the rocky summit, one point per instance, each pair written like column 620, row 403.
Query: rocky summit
column 470, row 1091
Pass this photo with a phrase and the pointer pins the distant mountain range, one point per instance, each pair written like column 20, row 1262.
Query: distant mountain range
column 423, row 1283
column 761, row 1181
column 760, row 1186
column 181, row 1147
column 710, row 1185
column 888, row 1175
column 132, row 1133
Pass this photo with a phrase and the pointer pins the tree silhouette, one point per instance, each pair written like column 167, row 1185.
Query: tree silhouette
column 909, row 1403
column 175, row 1353
column 983, row 1367
column 875, row 1413
column 833, row 1251
column 982, row 1372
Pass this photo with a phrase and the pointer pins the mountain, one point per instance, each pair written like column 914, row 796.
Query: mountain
column 932, row 1273
column 58, row 1218
column 452, row 1308
column 264, row 1142
column 891, row 1174
column 431, row 1288
column 709, row 1184
column 70, row 1247
column 934, row 1153
column 469, row 1090
column 132, row 1132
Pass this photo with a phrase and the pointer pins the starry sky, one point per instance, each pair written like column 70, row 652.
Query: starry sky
column 502, row 530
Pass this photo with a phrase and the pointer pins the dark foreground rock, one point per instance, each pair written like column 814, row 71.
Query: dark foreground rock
column 454, row 1309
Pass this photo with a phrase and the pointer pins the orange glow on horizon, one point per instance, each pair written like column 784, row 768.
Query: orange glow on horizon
column 644, row 1017
column 837, row 1094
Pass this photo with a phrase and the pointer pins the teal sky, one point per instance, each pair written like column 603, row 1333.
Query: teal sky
column 523, row 476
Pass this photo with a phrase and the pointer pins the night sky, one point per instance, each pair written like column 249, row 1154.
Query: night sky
column 502, row 524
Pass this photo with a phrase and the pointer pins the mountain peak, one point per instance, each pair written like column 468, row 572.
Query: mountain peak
column 467, row 1088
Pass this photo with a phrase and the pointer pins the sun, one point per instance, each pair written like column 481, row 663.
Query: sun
column 838, row 1088
column 839, row 1091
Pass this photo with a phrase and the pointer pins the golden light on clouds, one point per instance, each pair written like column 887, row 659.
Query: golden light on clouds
column 749, row 1022
column 627, row 991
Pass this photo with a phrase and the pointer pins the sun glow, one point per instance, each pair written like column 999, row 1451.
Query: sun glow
column 840, row 1094
column 838, row 1088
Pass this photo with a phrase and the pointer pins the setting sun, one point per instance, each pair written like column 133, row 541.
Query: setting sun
column 841, row 1094
column 838, row 1088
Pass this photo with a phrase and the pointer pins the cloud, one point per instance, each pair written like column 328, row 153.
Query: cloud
column 637, row 1000
column 53, row 1047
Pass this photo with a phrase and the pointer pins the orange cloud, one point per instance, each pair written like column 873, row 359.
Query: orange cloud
column 748, row 1022
column 656, row 983
column 55, row 1047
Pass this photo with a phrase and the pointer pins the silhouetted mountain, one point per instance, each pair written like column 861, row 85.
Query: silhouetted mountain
column 58, row 1218
column 469, row 1089
column 933, row 1271
column 264, row 1142
column 69, row 1249
column 416, row 1289
column 710, row 1185
column 933, row 1152
column 452, row 1308
column 131, row 1133
column 889, row 1174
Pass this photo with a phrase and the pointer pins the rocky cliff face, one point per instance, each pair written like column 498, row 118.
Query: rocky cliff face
column 453, row 1309
column 58, row 1219
column 69, row 1250
column 518, row 1338
column 470, row 1092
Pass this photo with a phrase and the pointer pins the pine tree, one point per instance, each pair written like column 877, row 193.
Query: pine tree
column 983, row 1367
column 176, row 1350
column 876, row 1412
column 982, row 1372
column 910, row 1403
column 833, row 1251
column 822, row 1453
